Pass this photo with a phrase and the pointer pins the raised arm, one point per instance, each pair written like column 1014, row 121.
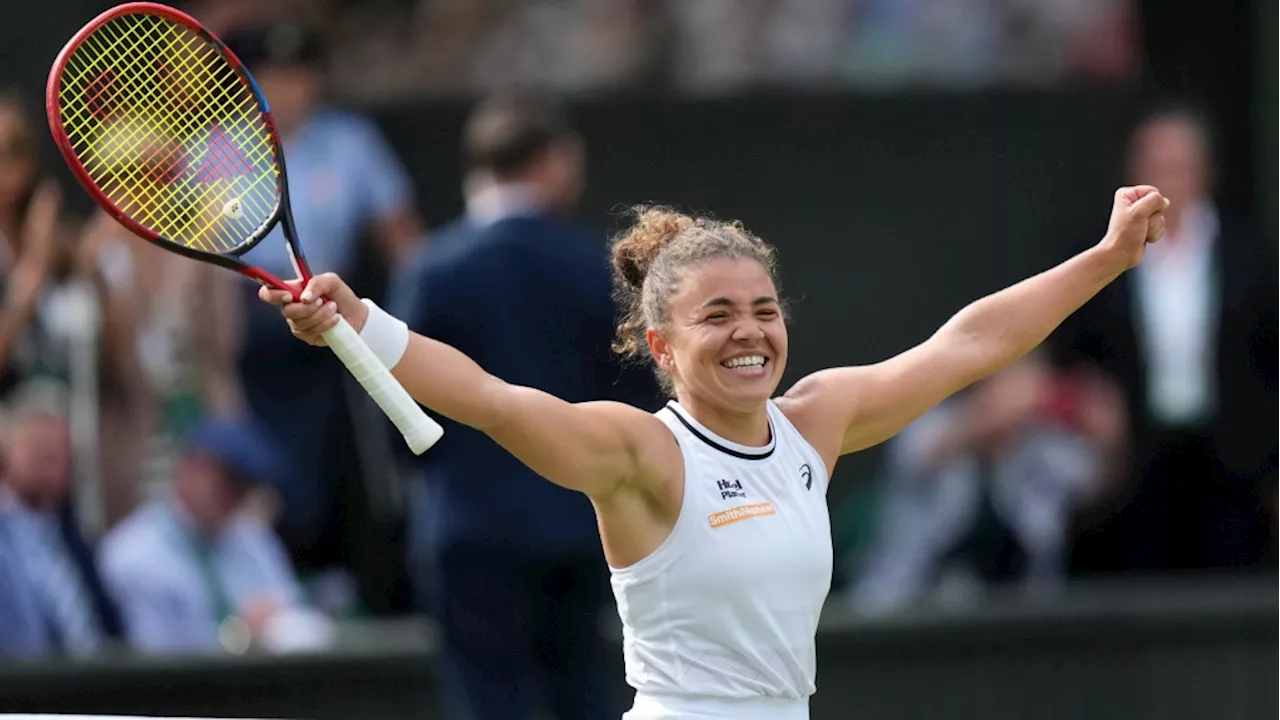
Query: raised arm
column 593, row 447
column 843, row 410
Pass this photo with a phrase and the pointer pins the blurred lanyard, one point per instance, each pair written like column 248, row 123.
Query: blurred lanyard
column 203, row 550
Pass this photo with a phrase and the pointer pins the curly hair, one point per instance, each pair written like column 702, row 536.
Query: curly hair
column 651, row 259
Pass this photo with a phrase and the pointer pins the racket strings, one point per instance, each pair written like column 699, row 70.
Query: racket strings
column 172, row 151
column 130, row 140
column 163, row 159
column 170, row 133
column 170, row 162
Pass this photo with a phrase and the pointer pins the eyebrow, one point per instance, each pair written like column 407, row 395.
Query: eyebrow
column 726, row 302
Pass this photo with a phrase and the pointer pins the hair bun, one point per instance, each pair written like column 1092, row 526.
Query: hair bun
column 633, row 252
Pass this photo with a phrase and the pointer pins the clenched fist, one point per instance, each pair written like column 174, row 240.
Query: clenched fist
column 1137, row 218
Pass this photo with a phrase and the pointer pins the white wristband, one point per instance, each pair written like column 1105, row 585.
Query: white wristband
column 386, row 336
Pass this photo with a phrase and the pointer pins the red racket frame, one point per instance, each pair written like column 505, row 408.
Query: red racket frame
column 283, row 213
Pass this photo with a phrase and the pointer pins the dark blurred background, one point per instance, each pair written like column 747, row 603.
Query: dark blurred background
column 1107, row 549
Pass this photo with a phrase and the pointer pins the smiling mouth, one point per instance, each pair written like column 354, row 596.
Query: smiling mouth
column 746, row 363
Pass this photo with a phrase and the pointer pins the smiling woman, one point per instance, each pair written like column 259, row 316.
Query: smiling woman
column 699, row 279
column 712, row 511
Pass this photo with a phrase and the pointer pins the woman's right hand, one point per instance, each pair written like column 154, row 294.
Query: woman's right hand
column 322, row 301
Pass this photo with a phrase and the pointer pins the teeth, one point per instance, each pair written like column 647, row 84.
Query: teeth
column 745, row 361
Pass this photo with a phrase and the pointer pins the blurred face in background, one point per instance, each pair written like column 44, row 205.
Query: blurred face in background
column 38, row 460
column 555, row 174
column 1005, row 405
column 561, row 174
column 1171, row 152
column 292, row 91
column 209, row 494
column 17, row 158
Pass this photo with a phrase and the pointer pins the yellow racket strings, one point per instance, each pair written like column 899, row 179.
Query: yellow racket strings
column 169, row 133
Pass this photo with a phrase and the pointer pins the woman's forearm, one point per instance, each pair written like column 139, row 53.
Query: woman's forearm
column 1008, row 324
column 448, row 382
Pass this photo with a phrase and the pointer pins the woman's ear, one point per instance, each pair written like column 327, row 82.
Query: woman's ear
column 659, row 348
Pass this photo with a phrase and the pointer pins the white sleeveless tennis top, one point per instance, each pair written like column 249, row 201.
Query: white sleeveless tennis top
column 719, row 621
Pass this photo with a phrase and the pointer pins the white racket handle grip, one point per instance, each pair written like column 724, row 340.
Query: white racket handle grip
column 419, row 430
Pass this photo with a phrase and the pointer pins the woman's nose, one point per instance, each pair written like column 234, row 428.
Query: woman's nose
column 748, row 330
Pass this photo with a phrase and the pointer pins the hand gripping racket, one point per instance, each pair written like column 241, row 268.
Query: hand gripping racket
column 170, row 134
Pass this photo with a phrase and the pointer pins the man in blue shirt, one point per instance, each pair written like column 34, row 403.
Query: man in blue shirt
column 511, row 564
column 52, row 600
column 353, row 208
column 187, row 568
column 23, row 633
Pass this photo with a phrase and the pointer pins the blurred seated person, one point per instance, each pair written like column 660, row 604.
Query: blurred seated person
column 985, row 489
column 187, row 569
column 51, row 575
column 23, row 634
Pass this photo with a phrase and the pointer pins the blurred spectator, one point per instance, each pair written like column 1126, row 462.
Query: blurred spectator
column 570, row 46
column 459, row 46
column 49, row 562
column 715, row 44
column 983, row 489
column 64, row 316
column 228, row 16
column 193, row 572
column 30, row 225
column 1191, row 335
column 726, row 46
column 22, row 626
column 354, row 212
column 511, row 564
column 804, row 40
column 954, row 42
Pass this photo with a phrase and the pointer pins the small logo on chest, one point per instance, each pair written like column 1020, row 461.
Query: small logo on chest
column 730, row 489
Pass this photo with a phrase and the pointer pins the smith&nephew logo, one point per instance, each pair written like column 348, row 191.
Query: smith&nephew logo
column 730, row 489
column 742, row 512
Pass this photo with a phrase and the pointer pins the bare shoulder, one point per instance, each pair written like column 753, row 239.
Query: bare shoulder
column 654, row 449
column 819, row 405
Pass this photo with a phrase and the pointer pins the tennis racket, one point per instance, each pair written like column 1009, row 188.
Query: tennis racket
column 166, row 129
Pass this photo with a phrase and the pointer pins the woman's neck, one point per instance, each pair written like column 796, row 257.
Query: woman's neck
column 750, row 428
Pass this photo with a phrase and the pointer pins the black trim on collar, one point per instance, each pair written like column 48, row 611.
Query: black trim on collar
column 760, row 454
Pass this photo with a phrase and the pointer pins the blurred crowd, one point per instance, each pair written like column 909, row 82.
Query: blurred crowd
column 1138, row 439
column 398, row 48
column 161, row 483
column 179, row 474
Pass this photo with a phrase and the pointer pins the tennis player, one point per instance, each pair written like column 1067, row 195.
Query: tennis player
column 712, row 511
